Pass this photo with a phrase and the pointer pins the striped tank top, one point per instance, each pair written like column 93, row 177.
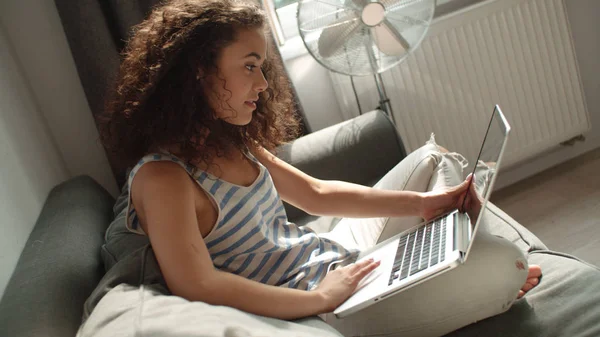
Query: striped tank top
column 252, row 236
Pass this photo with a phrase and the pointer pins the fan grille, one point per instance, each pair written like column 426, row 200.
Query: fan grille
column 336, row 37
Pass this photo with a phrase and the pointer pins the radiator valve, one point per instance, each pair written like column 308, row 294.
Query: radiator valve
column 572, row 141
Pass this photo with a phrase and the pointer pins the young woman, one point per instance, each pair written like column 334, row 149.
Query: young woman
column 199, row 107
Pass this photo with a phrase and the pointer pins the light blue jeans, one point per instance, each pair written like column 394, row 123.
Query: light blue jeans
column 486, row 285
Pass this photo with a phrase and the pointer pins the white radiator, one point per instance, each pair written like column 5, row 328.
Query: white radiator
column 516, row 53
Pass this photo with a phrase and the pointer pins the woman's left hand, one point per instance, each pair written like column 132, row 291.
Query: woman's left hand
column 436, row 203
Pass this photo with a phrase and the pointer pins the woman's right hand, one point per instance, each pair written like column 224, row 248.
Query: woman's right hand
column 340, row 283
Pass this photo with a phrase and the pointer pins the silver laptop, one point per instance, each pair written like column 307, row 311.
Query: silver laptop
column 431, row 248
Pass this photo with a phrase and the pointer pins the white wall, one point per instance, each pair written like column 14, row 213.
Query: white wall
column 311, row 80
column 47, row 133
column 30, row 161
column 34, row 29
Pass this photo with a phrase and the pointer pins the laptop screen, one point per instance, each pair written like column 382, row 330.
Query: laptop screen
column 486, row 169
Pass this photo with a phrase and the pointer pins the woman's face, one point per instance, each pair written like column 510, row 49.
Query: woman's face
column 234, row 91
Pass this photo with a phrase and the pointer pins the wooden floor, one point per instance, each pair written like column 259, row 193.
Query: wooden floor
column 561, row 206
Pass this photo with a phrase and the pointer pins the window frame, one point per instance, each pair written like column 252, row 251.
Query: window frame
column 269, row 7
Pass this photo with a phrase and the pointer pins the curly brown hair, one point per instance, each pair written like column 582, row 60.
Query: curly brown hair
column 158, row 100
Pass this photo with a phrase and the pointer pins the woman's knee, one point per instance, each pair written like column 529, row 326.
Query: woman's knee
column 449, row 171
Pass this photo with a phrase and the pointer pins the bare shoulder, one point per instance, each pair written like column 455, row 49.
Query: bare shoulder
column 265, row 156
column 160, row 176
column 160, row 182
column 293, row 185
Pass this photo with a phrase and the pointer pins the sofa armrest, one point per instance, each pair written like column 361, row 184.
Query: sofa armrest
column 360, row 150
column 60, row 264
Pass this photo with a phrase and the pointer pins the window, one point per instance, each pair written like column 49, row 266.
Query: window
column 282, row 14
column 286, row 14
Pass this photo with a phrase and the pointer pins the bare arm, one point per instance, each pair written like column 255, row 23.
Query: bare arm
column 343, row 199
column 167, row 200
column 359, row 201
column 337, row 198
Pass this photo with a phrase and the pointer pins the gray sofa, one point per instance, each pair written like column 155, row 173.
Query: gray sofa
column 79, row 250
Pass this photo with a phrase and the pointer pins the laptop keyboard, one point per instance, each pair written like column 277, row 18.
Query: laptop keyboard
column 420, row 249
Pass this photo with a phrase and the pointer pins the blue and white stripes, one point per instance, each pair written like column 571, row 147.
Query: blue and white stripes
column 252, row 236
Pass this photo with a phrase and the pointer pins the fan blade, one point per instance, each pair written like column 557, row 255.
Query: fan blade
column 335, row 36
column 339, row 22
column 406, row 20
column 399, row 38
column 389, row 40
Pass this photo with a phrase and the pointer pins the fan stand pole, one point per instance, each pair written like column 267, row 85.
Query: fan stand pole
column 384, row 102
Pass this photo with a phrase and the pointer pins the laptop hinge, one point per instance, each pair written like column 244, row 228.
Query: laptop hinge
column 462, row 232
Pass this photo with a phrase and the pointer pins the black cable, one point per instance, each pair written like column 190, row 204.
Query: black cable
column 355, row 94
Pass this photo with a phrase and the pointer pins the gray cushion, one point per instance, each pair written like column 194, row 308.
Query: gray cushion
column 360, row 150
column 501, row 224
column 119, row 241
column 60, row 264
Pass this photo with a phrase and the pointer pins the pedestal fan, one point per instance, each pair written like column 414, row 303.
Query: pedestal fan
column 363, row 37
